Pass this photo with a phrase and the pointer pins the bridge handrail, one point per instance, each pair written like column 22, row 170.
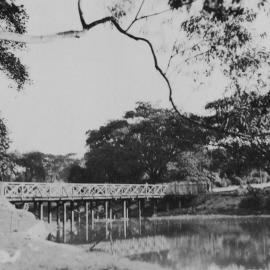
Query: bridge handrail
column 13, row 190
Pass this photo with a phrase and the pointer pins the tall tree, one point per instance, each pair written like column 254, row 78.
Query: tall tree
column 246, row 113
column 141, row 145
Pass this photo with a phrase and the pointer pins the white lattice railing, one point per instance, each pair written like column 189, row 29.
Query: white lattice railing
column 28, row 191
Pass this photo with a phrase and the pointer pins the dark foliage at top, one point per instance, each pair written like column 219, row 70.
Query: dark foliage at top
column 13, row 18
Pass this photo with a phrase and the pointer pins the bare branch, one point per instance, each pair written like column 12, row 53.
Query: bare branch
column 83, row 22
column 197, row 55
column 146, row 17
column 153, row 14
column 140, row 8
column 24, row 38
column 71, row 34
column 136, row 16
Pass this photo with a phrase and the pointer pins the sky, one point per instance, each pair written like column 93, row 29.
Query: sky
column 80, row 84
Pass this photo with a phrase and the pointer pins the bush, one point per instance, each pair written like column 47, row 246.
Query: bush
column 252, row 202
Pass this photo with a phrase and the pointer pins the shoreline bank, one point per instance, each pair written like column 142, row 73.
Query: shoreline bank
column 25, row 247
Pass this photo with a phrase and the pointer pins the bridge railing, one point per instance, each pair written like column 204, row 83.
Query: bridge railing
column 29, row 191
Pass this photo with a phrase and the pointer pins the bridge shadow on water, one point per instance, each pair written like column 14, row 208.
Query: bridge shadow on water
column 222, row 243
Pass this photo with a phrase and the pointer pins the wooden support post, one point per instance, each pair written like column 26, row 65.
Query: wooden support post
column 49, row 212
column 86, row 220
column 79, row 215
column 179, row 204
column 41, row 210
column 167, row 206
column 72, row 216
column 58, row 213
column 139, row 209
column 125, row 228
column 111, row 211
column 124, row 209
column 92, row 215
column 142, row 207
column 127, row 211
column 35, row 208
column 154, row 207
column 106, row 209
column 64, row 220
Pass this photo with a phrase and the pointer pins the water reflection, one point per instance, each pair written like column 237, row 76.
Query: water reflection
column 224, row 243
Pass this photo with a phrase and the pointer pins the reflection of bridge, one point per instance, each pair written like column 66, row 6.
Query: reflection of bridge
column 128, row 247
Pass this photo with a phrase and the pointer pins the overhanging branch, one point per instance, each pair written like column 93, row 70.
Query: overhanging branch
column 9, row 36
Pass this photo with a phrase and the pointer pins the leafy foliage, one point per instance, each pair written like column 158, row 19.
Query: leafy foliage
column 140, row 146
column 246, row 113
column 13, row 18
column 4, row 145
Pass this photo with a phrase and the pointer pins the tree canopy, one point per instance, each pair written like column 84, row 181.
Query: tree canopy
column 140, row 146
column 13, row 19
column 216, row 32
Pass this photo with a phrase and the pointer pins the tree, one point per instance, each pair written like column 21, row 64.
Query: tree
column 158, row 136
column 110, row 158
column 247, row 113
column 140, row 146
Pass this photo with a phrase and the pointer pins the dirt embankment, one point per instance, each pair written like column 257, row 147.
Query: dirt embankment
column 22, row 247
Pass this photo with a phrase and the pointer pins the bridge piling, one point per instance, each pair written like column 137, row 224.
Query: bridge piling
column 92, row 215
column 179, row 203
column 58, row 213
column 167, row 205
column 35, row 208
column 79, row 213
column 154, row 207
column 127, row 210
column 139, row 209
column 41, row 210
column 106, row 209
column 124, row 209
column 86, row 219
column 64, row 220
column 49, row 212
column 72, row 216
column 111, row 211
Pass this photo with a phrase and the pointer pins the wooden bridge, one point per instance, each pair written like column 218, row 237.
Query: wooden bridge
column 68, row 196
column 28, row 191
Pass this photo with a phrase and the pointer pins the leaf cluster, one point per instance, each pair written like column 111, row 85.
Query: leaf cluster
column 13, row 18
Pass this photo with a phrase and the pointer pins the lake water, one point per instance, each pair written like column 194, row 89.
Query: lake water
column 201, row 243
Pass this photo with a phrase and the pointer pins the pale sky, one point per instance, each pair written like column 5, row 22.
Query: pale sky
column 83, row 83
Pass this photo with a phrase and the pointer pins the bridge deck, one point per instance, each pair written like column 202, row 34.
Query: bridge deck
column 29, row 191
